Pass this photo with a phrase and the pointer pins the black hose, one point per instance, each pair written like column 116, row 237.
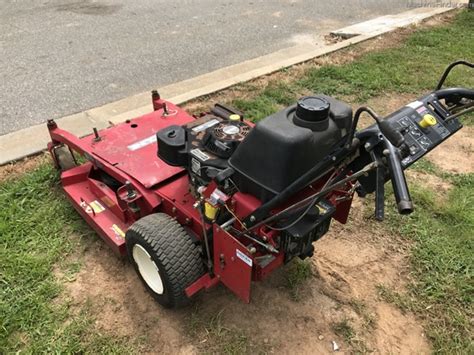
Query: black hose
column 355, row 122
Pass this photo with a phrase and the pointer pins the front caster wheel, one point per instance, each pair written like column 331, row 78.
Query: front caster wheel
column 164, row 257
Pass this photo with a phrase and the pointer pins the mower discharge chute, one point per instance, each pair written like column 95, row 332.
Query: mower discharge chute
column 199, row 200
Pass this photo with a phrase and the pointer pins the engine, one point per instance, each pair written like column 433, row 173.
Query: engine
column 264, row 159
column 203, row 146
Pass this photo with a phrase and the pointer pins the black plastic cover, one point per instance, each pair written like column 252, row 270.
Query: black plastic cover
column 277, row 151
column 172, row 145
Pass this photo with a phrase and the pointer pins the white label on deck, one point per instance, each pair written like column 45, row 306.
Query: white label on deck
column 243, row 257
column 142, row 143
column 415, row 104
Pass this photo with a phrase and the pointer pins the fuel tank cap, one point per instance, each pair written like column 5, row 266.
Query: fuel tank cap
column 312, row 109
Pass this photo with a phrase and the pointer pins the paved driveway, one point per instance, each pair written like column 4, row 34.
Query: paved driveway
column 59, row 57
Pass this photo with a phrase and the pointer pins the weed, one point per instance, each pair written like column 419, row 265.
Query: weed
column 361, row 309
column 214, row 337
column 344, row 330
column 298, row 272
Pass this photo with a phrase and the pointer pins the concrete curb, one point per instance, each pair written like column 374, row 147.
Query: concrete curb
column 31, row 140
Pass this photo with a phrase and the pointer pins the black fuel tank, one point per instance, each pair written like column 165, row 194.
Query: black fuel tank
column 285, row 145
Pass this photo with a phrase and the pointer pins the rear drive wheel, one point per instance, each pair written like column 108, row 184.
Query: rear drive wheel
column 164, row 257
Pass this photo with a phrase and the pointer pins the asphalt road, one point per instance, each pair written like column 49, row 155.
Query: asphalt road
column 64, row 56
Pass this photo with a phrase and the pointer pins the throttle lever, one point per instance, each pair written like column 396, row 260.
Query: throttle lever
column 379, row 188
column 391, row 133
column 399, row 183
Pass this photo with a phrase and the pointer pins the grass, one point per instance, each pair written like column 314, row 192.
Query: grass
column 344, row 329
column 215, row 338
column 412, row 67
column 442, row 261
column 347, row 332
column 36, row 221
column 35, row 225
column 297, row 273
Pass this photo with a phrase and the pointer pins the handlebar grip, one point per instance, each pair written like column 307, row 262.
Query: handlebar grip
column 399, row 183
column 451, row 93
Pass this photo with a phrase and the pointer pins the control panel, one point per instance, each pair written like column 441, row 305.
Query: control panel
column 422, row 128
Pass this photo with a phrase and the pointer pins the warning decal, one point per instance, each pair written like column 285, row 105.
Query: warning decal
column 97, row 207
column 118, row 231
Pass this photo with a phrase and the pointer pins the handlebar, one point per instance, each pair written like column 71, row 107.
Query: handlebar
column 399, row 183
column 389, row 135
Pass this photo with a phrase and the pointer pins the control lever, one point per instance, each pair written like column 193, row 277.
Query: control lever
column 399, row 183
column 379, row 188
column 391, row 133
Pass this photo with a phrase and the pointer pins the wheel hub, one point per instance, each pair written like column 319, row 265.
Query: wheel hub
column 148, row 269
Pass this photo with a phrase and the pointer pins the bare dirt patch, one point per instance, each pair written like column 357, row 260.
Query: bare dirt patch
column 348, row 265
column 457, row 153
column 16, row 169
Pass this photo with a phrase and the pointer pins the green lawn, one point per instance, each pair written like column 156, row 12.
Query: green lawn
column 442, row 261
column 35, row 220
column 414, row 67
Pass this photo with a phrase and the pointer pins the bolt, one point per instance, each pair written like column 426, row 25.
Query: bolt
column 52, row 124
column 96, row 135
column 252, row 218
column 173, row 210
column 155, row 94
column 187, row 221
column 130, row 191
column 367, row 146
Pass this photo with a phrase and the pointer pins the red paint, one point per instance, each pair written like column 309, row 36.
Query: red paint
column 233, row 263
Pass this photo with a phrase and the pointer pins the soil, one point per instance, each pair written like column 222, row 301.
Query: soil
column 457, row 153
column 16, row 169
column 349, row 263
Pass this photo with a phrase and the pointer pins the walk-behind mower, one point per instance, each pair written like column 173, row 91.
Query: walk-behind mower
column 195, row 201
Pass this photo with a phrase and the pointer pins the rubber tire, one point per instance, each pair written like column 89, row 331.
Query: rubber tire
column 178, row 259
column 64, row 158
